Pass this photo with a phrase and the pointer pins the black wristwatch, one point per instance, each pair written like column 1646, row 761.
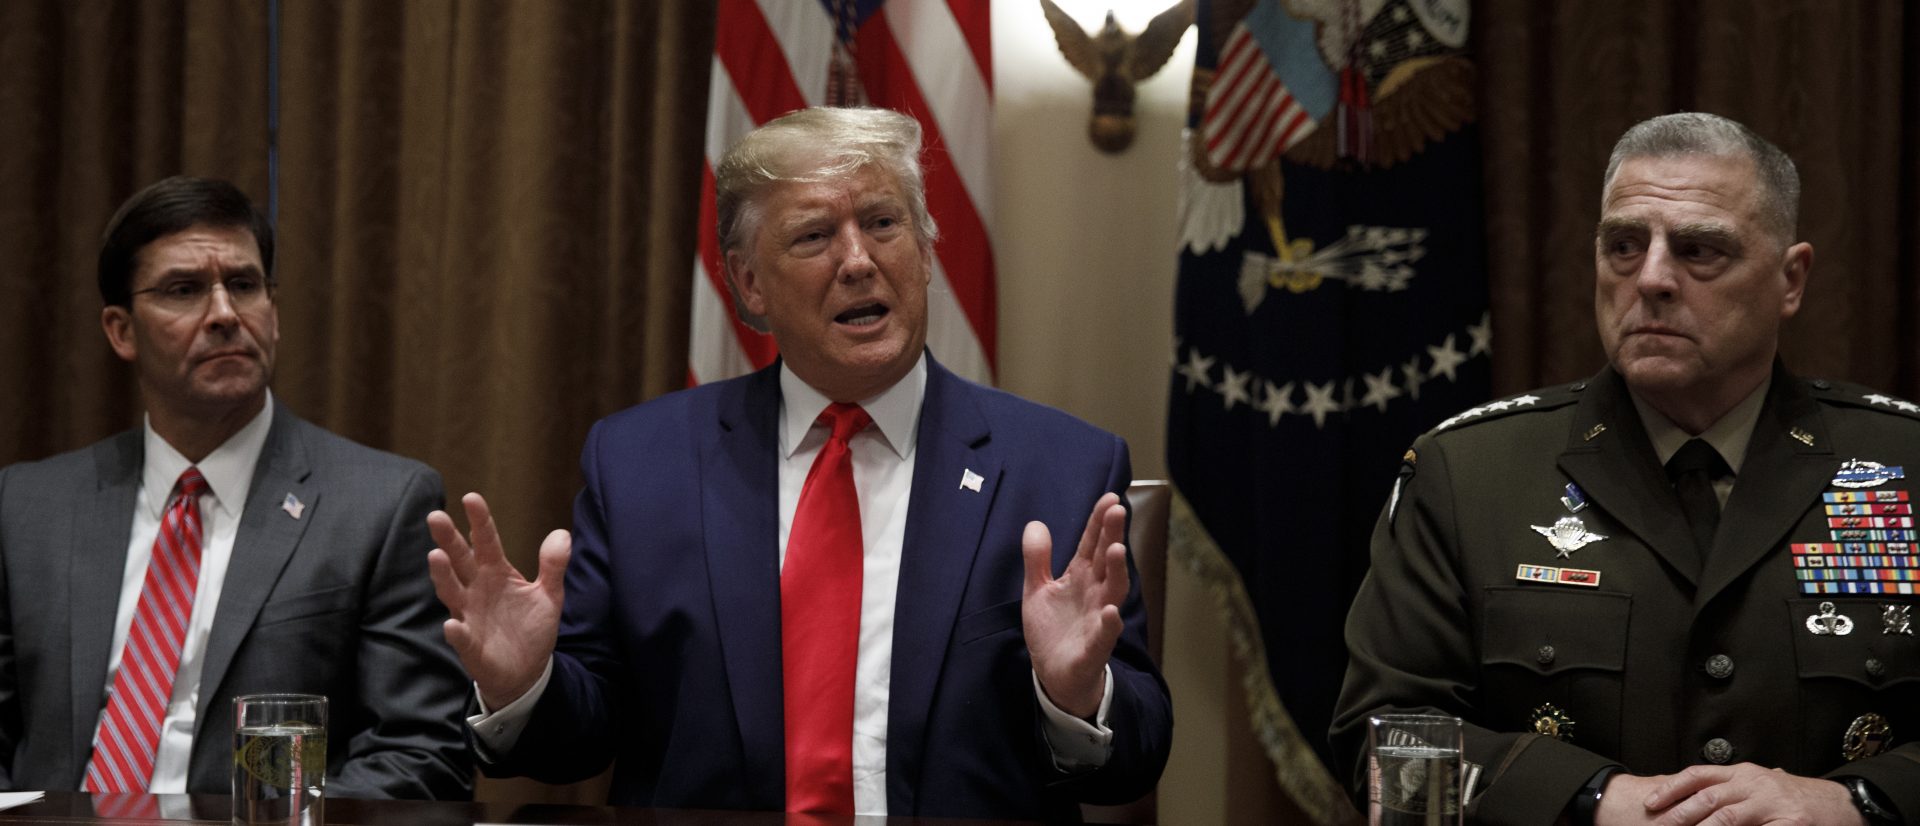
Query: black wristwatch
column 1874, row 807
column 1586, row 804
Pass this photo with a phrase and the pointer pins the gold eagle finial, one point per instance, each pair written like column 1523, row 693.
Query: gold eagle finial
column 1115, row 60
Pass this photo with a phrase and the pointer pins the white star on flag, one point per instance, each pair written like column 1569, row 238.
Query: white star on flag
column 1380, row 389
column 1320, row 402
column 1446, row 358
column 1233, row 387
column 1482, row 334
column 1277, row 402
column 1414, row 376
column 1196, row 370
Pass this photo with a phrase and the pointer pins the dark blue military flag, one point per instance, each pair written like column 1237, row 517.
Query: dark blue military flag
column 1331, row 306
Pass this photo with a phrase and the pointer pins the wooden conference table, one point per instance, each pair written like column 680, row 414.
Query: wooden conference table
column 75, row 808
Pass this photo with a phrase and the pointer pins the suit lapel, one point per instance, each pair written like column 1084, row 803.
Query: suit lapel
column 265, row 540
column 739, row 500
column 944, row 526
column 1781, row 473
column 1610, row 457
column 102, row 527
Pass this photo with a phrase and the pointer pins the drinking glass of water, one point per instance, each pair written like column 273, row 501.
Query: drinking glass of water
column 1414, row 770
column 279, row 759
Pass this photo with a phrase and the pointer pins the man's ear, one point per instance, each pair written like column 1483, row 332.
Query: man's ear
column 117, row 322
column 1796, row 266
column 746, row 287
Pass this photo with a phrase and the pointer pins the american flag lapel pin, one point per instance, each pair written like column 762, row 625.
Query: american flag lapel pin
column 293, row 506
column 970, row 480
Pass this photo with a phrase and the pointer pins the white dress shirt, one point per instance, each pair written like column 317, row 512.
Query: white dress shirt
column 883, row 458
column 229, row 474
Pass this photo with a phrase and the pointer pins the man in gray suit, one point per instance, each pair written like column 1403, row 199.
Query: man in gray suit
column 226, row 547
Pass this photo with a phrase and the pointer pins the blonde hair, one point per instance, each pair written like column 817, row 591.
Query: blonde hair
column 811, row 145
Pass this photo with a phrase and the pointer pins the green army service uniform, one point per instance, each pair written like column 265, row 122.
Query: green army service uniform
column 1792, row 644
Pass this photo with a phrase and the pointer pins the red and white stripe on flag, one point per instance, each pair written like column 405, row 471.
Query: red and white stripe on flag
column 928, row 58
column 1250, row 117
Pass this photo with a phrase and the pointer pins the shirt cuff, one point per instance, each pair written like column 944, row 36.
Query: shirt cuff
column 498, row 731
column 1076, row 745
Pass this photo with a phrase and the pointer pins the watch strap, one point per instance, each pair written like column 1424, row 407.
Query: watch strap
column 1874, row 806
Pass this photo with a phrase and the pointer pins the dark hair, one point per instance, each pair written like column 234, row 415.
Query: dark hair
column 173, row 205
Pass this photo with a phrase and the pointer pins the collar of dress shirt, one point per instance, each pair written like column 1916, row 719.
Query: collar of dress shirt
column 895, row 412
column 228, row 469
column 1729, row 435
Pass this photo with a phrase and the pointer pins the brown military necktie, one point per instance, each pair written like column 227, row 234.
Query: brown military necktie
column 1692, row 469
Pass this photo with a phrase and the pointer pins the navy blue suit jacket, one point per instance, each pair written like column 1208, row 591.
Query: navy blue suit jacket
column 668, row 659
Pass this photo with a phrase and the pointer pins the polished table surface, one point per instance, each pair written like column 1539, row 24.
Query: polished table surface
column 71, row 808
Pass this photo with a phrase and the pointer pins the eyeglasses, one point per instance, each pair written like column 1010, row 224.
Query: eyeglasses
column 245, row 291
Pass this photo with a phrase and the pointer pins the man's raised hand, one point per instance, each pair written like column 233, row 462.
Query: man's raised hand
column 502, row 626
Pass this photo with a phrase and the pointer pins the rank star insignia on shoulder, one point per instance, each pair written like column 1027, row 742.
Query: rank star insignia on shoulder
column 1536, row 400
column 1853, row 395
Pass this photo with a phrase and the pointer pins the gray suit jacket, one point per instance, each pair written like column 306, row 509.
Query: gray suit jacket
column 336, row 602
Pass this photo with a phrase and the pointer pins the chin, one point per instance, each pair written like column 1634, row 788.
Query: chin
column 230, row 390
column 1653, row 374
column 869, row 355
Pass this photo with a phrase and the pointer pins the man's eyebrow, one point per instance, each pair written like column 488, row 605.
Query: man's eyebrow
column 1615, row 226
column 1718, row 235
column 242, row 269
column 797, row 217
column 880, row 201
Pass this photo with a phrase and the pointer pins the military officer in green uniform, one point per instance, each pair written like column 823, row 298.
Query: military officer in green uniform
column 1685, row 586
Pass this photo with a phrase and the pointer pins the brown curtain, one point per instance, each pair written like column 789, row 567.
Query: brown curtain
column 1834, row 84
column 97, row 99
column 486, row 226
column 487, row 214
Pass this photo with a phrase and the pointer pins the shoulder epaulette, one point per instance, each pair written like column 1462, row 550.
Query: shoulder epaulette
column 1853, row 395
column 1543, row 399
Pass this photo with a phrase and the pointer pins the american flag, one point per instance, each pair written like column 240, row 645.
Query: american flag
column 931, row 59
column 1271, row 90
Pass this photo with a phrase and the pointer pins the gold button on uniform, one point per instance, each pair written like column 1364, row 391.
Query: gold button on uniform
column 1717, row 751
column 1719, row 666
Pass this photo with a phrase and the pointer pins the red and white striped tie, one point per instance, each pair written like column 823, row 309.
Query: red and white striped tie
column 123, row 748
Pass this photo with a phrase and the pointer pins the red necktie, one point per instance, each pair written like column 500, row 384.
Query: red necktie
column 129, row 732
column 820, row 624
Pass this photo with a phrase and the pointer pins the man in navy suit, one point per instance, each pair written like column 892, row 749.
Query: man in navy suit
column 981, row 684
